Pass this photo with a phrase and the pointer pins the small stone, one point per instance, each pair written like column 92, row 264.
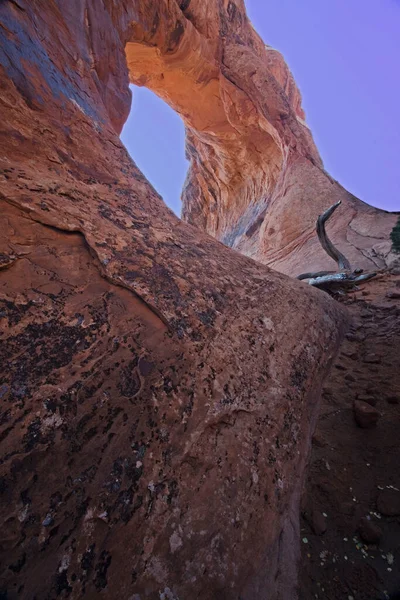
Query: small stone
column 349, row 377
column 393, row 399
column 350, row 354
column 387, row 306
column 355, row 337
column 395, row 294
column 365, row 415
column 370, row 532
column 175, row 542
column 318, row 523
column 367, row 398
column 318, row 440
column 48, row 520
column 389, row 503
column 372, row 359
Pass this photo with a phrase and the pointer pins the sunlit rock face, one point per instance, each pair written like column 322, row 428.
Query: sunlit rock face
column 256, row 181
column 158, row 389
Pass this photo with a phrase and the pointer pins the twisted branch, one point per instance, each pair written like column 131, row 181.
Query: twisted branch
column 330, row 280
column 343, row 263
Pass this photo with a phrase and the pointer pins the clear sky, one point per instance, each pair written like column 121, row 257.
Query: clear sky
column 345, row 56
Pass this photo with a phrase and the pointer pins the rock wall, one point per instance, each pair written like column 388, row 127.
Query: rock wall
column 256, row 181
column 158, row 389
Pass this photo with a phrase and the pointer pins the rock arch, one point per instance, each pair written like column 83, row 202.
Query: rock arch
column 253, row 160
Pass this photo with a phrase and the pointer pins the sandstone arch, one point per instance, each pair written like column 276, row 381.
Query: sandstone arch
column 253, row 160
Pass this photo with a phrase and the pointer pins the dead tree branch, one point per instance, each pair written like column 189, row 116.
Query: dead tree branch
column 343, row 263
column 332, row 281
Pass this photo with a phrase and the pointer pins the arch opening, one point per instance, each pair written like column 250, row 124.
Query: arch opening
column 154, row 135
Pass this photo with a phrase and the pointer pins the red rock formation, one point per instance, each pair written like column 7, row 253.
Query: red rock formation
column 158, row 390
column 256, row 181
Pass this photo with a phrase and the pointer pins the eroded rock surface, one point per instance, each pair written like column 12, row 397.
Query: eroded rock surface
column 256, row 181
column 158, row 389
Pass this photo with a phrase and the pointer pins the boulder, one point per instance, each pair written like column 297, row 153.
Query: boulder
column 365, row 415
column 369, row 532
column 318, row 522
column 367, row 398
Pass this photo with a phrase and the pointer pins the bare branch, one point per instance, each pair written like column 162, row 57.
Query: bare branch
column 314, row 274
column 331, row 281
column 339, row 280
column 343, row 263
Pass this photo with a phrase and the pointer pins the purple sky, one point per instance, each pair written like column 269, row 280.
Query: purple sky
column 345, row 56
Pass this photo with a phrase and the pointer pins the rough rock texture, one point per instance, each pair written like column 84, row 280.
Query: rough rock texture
column 354, row 475
column 256, row 181
column 158, row 389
